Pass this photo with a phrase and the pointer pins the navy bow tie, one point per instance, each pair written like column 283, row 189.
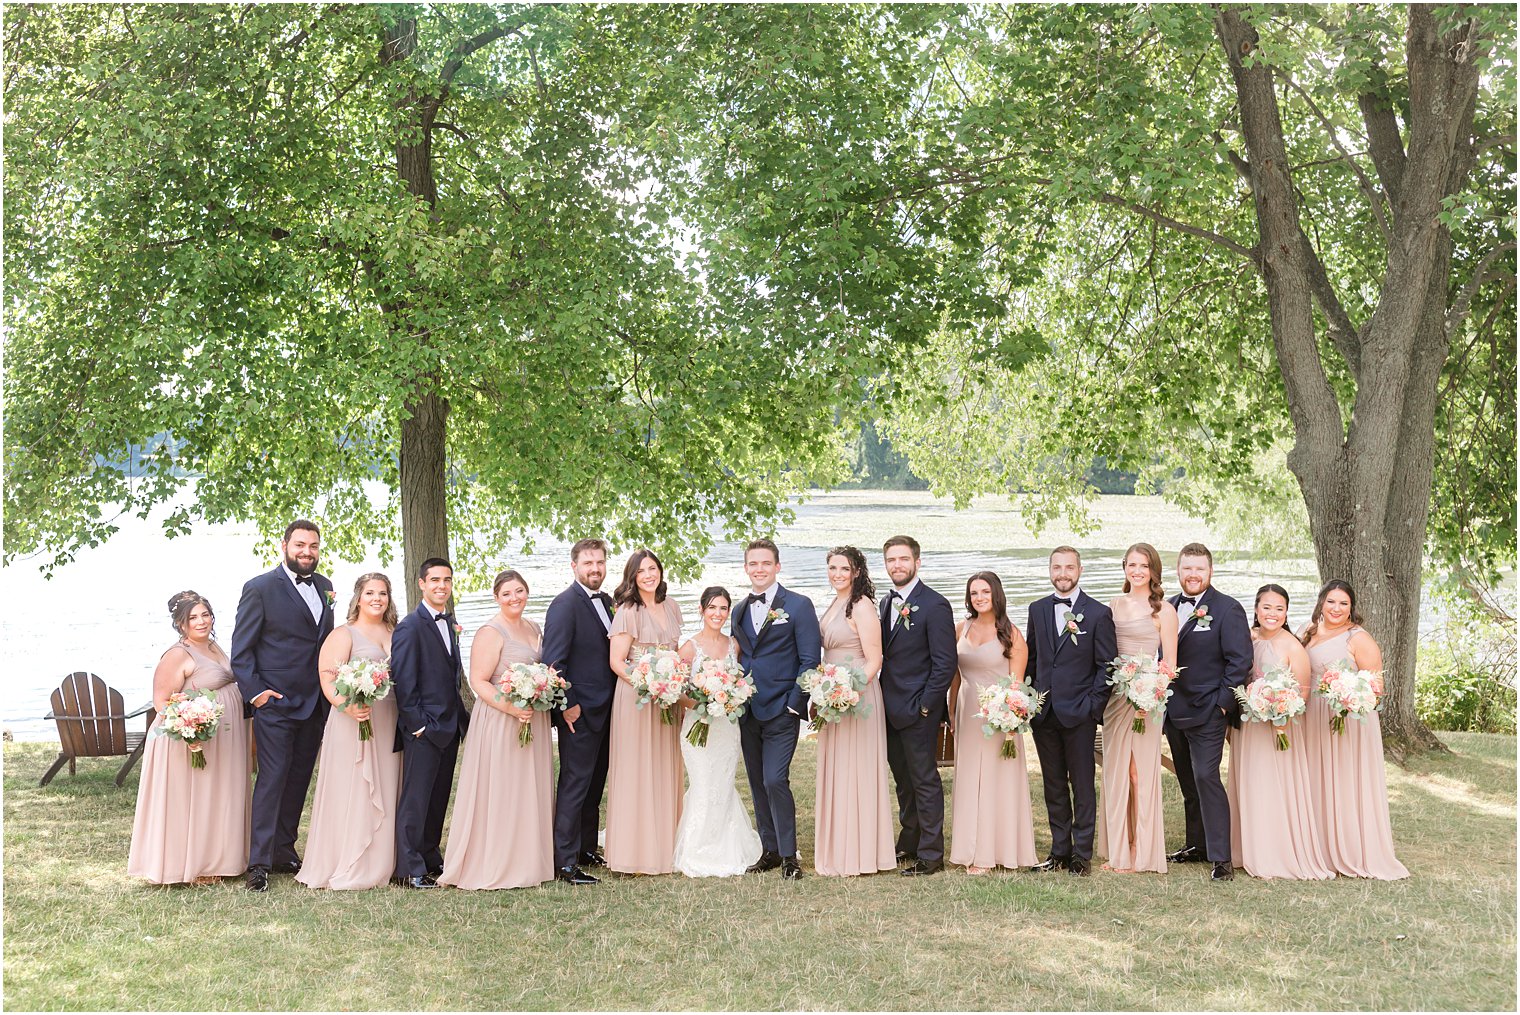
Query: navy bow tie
column 1063, row 602
column 305, row 579
column 445, row 616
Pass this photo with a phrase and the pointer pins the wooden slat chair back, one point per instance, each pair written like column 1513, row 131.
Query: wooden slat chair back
column 92, row 723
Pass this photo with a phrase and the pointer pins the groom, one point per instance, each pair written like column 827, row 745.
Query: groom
column 425, row 671
column 777, row 631
column 1214, row 657
column 918, row 660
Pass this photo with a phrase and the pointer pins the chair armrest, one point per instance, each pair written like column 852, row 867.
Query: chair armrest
column 133, row 715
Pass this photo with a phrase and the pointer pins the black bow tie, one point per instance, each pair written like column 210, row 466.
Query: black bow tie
column 1187, row 601
column 1063, row 602
column 445, row 616
column 305, row 579
column 898, row 595
column 753, row 598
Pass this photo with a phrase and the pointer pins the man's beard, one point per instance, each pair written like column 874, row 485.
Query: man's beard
column 300, row 569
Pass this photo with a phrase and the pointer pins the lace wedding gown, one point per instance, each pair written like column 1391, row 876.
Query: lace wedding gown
column 715, row 838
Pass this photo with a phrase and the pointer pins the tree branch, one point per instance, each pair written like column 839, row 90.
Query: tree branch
column 1374, row 199
column 1250, row 254
column 1384, row 144
column 1481, row 276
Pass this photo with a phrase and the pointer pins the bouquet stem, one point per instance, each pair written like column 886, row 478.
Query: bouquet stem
column 1139, row 724
column 197, row 759
column 366, row 731
column 1010, row 747
column 1337, row 724
column 1282, row 741
column 667, row 716
column 524, row 733
column 697, row 735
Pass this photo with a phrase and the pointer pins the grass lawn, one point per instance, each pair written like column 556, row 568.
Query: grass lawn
column 80, row 935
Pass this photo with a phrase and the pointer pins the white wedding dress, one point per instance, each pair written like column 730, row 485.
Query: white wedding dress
column 715, row 838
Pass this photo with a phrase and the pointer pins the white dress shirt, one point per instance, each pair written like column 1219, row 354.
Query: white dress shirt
column 759, row 608
column 1062, row 609
column 596, row 603
column 441, row 625
column 904, row 593
column 307, row 591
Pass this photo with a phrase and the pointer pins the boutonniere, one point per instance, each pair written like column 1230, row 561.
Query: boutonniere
column 776, row 617
column 458, row 628
column 1071, row 628
column 1202, row 618
column 905, row 614
column 332, row 597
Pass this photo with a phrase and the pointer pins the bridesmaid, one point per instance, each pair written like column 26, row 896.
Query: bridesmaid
column 352, row 839
column 502, row 835
column 852, row 806
column 1346, row 769
column 1129, row 822
column 192, row 824
column 1274, row 828
column 991, row 817
column 644, row 766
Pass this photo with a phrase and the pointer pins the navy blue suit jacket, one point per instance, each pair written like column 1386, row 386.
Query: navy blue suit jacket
column 575, row 644
column 426, row 679
column 1074, row 674
column 918, row 658
column 275, row 643
column 1212, row 661
column 777, row 654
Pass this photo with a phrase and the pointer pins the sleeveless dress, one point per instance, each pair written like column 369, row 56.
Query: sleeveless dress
column 502, row 832
column 351, row 842
column 852, row 806
column 991, row 821
column 1274, row 827
column 193, row 823
column 644, row 757
column 1346, row 780
column 1129, row 822
column 715, row 838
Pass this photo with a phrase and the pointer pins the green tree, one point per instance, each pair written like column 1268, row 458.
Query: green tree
column 449, row 247
column 1262, row 230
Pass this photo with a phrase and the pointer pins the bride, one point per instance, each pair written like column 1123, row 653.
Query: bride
column 715, row 837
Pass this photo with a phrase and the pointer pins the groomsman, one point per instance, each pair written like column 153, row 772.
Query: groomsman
column 282, row 618
column 1213, row 657
column 575, row 644
column 425, row 672
column 1071, row 666
column 918, row 661
column 777, row 631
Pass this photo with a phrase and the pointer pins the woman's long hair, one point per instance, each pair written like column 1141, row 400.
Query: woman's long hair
column 860, row 584
column 389, row 619
column 1319, row 607
column 1269, row 587
column 1000, row 621
column 627, row 593
column 182, row 604
column 1153, row 559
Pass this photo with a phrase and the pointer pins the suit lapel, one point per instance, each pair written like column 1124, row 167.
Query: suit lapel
column 775, row 605
column 590, row 603
column 1187, row 625
column 901, row 623
column 290, row 590
column 1062, row 638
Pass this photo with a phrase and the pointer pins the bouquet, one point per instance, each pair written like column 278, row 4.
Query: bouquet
column 1350, row 691
column 1146, row 683
column 1008, row 709
column 535, row 686
column 363, row 682
column 834, row 690
column 720, row 688
column 192, row 718
column 659, row 676
column 1273, row 697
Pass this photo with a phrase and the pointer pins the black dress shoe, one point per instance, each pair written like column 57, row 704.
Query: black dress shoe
column 287, row 867
column 258, row 879
column 1080, row 867
column 421, row 881
column 903, row 856
column 919, row 867
column 435, row 873
column 768, row 862
column 1222, row 871
column 573, row 875
column 1187, row 854
column 791, row 870
column 591, row 859
column 1053, row 863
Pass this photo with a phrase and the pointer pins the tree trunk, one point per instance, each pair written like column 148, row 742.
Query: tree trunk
column 423, row 483
column 1367, row 481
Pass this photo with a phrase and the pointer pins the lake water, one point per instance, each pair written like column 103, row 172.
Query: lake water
column 106, row 613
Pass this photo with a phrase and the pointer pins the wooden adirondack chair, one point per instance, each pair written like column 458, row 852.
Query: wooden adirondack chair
column 92, row 723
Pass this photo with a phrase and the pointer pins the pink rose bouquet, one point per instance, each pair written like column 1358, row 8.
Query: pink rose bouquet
column 833, row 689
column 193, row 718
column 363, row 682
column 1350, row 691
column 721, row 690
column 659, row 676
column 532, row 685
column 1008, row 708
column 1146, row 683
column 1273, row 697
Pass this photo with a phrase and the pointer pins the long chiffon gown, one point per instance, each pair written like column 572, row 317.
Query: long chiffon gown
column 351, row 843
column 851, row 803
column 644, row 756
column 1346, row 780
column 715, row 837
column 1129, row 822
column 194, row 822
column 991, row 821
column 502, row 833
column 1274, row 828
